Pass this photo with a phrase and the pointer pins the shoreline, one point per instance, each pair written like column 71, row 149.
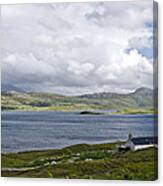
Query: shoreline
column 116, row 142
column 88, row 112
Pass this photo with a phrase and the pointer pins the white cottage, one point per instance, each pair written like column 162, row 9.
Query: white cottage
column 140, row 142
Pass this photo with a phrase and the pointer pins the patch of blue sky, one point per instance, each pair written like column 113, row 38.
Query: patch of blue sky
column 149, row 25
column 147, row 52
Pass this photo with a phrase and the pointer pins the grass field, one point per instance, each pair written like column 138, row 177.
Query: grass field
column 100, row 161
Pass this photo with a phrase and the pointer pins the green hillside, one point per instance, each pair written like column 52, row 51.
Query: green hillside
column 139, row 101
column 98, row 161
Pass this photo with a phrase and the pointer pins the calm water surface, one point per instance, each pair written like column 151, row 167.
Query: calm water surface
column 48, row 129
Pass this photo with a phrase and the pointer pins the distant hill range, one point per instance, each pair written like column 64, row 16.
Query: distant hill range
column 15, row 98
column 142, row 97
column 10, row 87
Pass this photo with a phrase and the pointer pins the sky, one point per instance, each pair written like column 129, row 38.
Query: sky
column 78, row 48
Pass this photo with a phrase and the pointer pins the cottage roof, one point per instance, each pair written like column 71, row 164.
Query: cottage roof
column 145, row 140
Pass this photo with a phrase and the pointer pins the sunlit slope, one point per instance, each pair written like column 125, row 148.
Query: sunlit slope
column 141, row 99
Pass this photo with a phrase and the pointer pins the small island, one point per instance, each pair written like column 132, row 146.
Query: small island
column 90, row 112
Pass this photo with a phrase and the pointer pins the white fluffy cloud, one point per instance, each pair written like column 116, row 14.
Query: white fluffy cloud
column 75, row 48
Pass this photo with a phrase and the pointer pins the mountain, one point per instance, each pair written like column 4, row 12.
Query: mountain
column 141, row 97
column 10, row 87
column 140, row 91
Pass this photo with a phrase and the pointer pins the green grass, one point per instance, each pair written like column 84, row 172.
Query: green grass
column 136, row 111
column 100, row 161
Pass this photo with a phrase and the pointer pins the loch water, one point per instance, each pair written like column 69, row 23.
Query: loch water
column 39, row 130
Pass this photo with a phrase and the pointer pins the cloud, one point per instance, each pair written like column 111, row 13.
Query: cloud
column 80, row 69
column 44, row 40
column 141, row 42
column 75, row 48
column 9, row 59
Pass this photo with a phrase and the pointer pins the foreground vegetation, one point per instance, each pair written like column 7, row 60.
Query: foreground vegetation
column 100, row 161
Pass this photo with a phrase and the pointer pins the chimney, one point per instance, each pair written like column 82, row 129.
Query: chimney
column 130, row 136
